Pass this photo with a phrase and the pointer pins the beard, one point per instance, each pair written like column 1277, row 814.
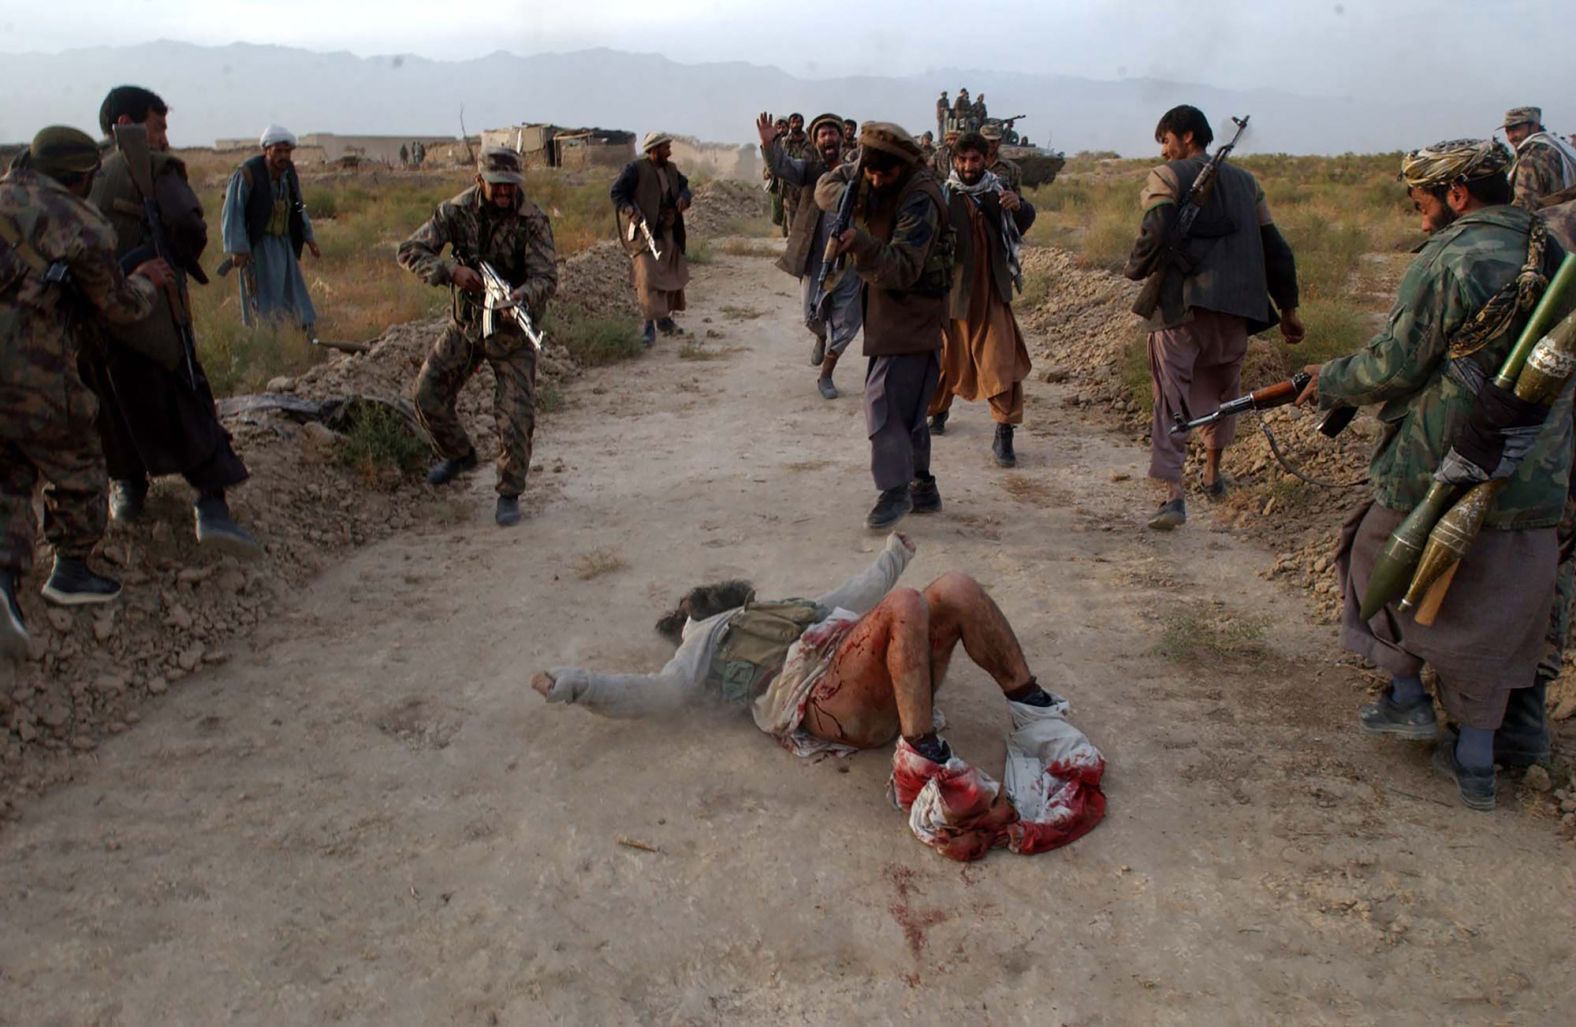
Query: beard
column 971, row 178
column 831, row 154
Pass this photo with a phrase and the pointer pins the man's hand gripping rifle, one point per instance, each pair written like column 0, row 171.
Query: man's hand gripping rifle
column 638, row 224
column 498, row 299
column 1277, row 395
column 1172, row 252
column 842, row 221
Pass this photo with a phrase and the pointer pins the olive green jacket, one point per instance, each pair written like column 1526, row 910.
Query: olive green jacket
column 1404, row 369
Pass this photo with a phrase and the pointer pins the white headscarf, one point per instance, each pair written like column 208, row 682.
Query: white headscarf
column 276, row 134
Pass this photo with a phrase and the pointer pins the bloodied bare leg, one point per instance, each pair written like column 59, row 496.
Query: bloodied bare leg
column 886, row 671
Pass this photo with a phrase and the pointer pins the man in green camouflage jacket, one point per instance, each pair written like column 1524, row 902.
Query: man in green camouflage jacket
column 1544, row 175
column 1442, row 340
column 58, row 278
column 493, row 222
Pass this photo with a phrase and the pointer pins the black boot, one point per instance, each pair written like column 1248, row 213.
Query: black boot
column 1523, row 736
column 217, row 530
column 508, row 514
column 128, row 500
column 73, row 584
column 445, row 471
column 893, row 505
column 938, row 423
column 1002, row 447
column 669, row 327
column 14, row 640
column 648, row 333
column 926, row 497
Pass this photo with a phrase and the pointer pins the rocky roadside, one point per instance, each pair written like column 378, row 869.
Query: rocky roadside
column 93, row 669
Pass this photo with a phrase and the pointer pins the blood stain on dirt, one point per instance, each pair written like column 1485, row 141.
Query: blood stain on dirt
column 915, row 922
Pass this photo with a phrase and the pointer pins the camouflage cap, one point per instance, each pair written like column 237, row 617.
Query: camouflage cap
column 1454, row 160
column 991, row 130
column 890, row 138
column 1523, row 116
column 824, row 119
column 498, row 165
column 61, row 150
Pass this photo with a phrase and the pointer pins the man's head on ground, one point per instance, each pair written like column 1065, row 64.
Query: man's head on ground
column 796, row 124
column 65, row 154
column 134, row 105
column 1455, row 177
column 658, row 147
column 1521, row 122
column 826, row 135
column 702, row 602
column 501, row 177
column 970, row 156
column 1182, row 132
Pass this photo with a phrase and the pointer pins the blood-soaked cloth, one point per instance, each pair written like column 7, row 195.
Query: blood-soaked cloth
column 1052, row 795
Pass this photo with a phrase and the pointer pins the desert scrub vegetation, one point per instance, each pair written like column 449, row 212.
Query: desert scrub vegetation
column 359, row 220
column 595, row 341
column 380, row 445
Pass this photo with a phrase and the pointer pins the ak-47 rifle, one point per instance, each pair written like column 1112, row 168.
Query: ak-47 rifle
column 1276, row 395
column 498, row 298
column 132, row 141
column 1172, row 252
column 638, row 224
column 841, row 222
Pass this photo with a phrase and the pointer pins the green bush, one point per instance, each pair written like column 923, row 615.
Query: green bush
column 595, row 341
column 380, row 442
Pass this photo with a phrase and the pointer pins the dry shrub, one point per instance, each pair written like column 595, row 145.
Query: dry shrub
column 598, row 562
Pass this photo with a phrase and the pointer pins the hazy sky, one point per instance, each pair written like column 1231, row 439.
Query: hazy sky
column 1419, row 48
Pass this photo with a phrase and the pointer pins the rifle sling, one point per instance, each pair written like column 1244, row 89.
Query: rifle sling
column 11, row 235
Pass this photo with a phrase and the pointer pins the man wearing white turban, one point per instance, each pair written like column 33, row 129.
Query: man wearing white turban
column 265, row 228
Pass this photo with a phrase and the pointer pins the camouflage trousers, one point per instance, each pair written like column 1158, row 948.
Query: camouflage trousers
column 75, row 505
column 451, row 363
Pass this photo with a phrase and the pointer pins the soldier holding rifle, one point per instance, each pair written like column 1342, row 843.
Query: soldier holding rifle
column 1461, row 306
column 650, row 197
column 58, row 275
column 156, row 413
column 1210, row 286
column 493, row 223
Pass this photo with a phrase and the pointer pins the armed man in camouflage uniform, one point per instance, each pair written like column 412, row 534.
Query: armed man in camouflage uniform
column 1008, row 171
column 1544, row 175
column 1457, row 313
column 490, row 222
column 58, row 276
column 796, row 144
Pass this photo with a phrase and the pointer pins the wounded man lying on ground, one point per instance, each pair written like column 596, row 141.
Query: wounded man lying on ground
column 854, row 668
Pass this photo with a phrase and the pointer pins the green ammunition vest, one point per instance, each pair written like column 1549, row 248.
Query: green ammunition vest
column 755, row 644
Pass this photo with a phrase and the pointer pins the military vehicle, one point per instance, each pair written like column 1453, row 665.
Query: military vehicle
column 1040, row 166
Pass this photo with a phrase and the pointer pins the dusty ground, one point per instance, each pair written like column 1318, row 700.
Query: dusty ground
column 365, row 816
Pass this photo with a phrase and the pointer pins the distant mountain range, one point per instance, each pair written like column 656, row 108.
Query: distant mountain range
column 236, row 90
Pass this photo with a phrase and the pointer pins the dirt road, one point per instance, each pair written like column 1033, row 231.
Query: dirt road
column 370, row 819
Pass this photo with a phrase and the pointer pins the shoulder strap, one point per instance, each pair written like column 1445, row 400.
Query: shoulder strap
column 11, row 235
column 1518, row 296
